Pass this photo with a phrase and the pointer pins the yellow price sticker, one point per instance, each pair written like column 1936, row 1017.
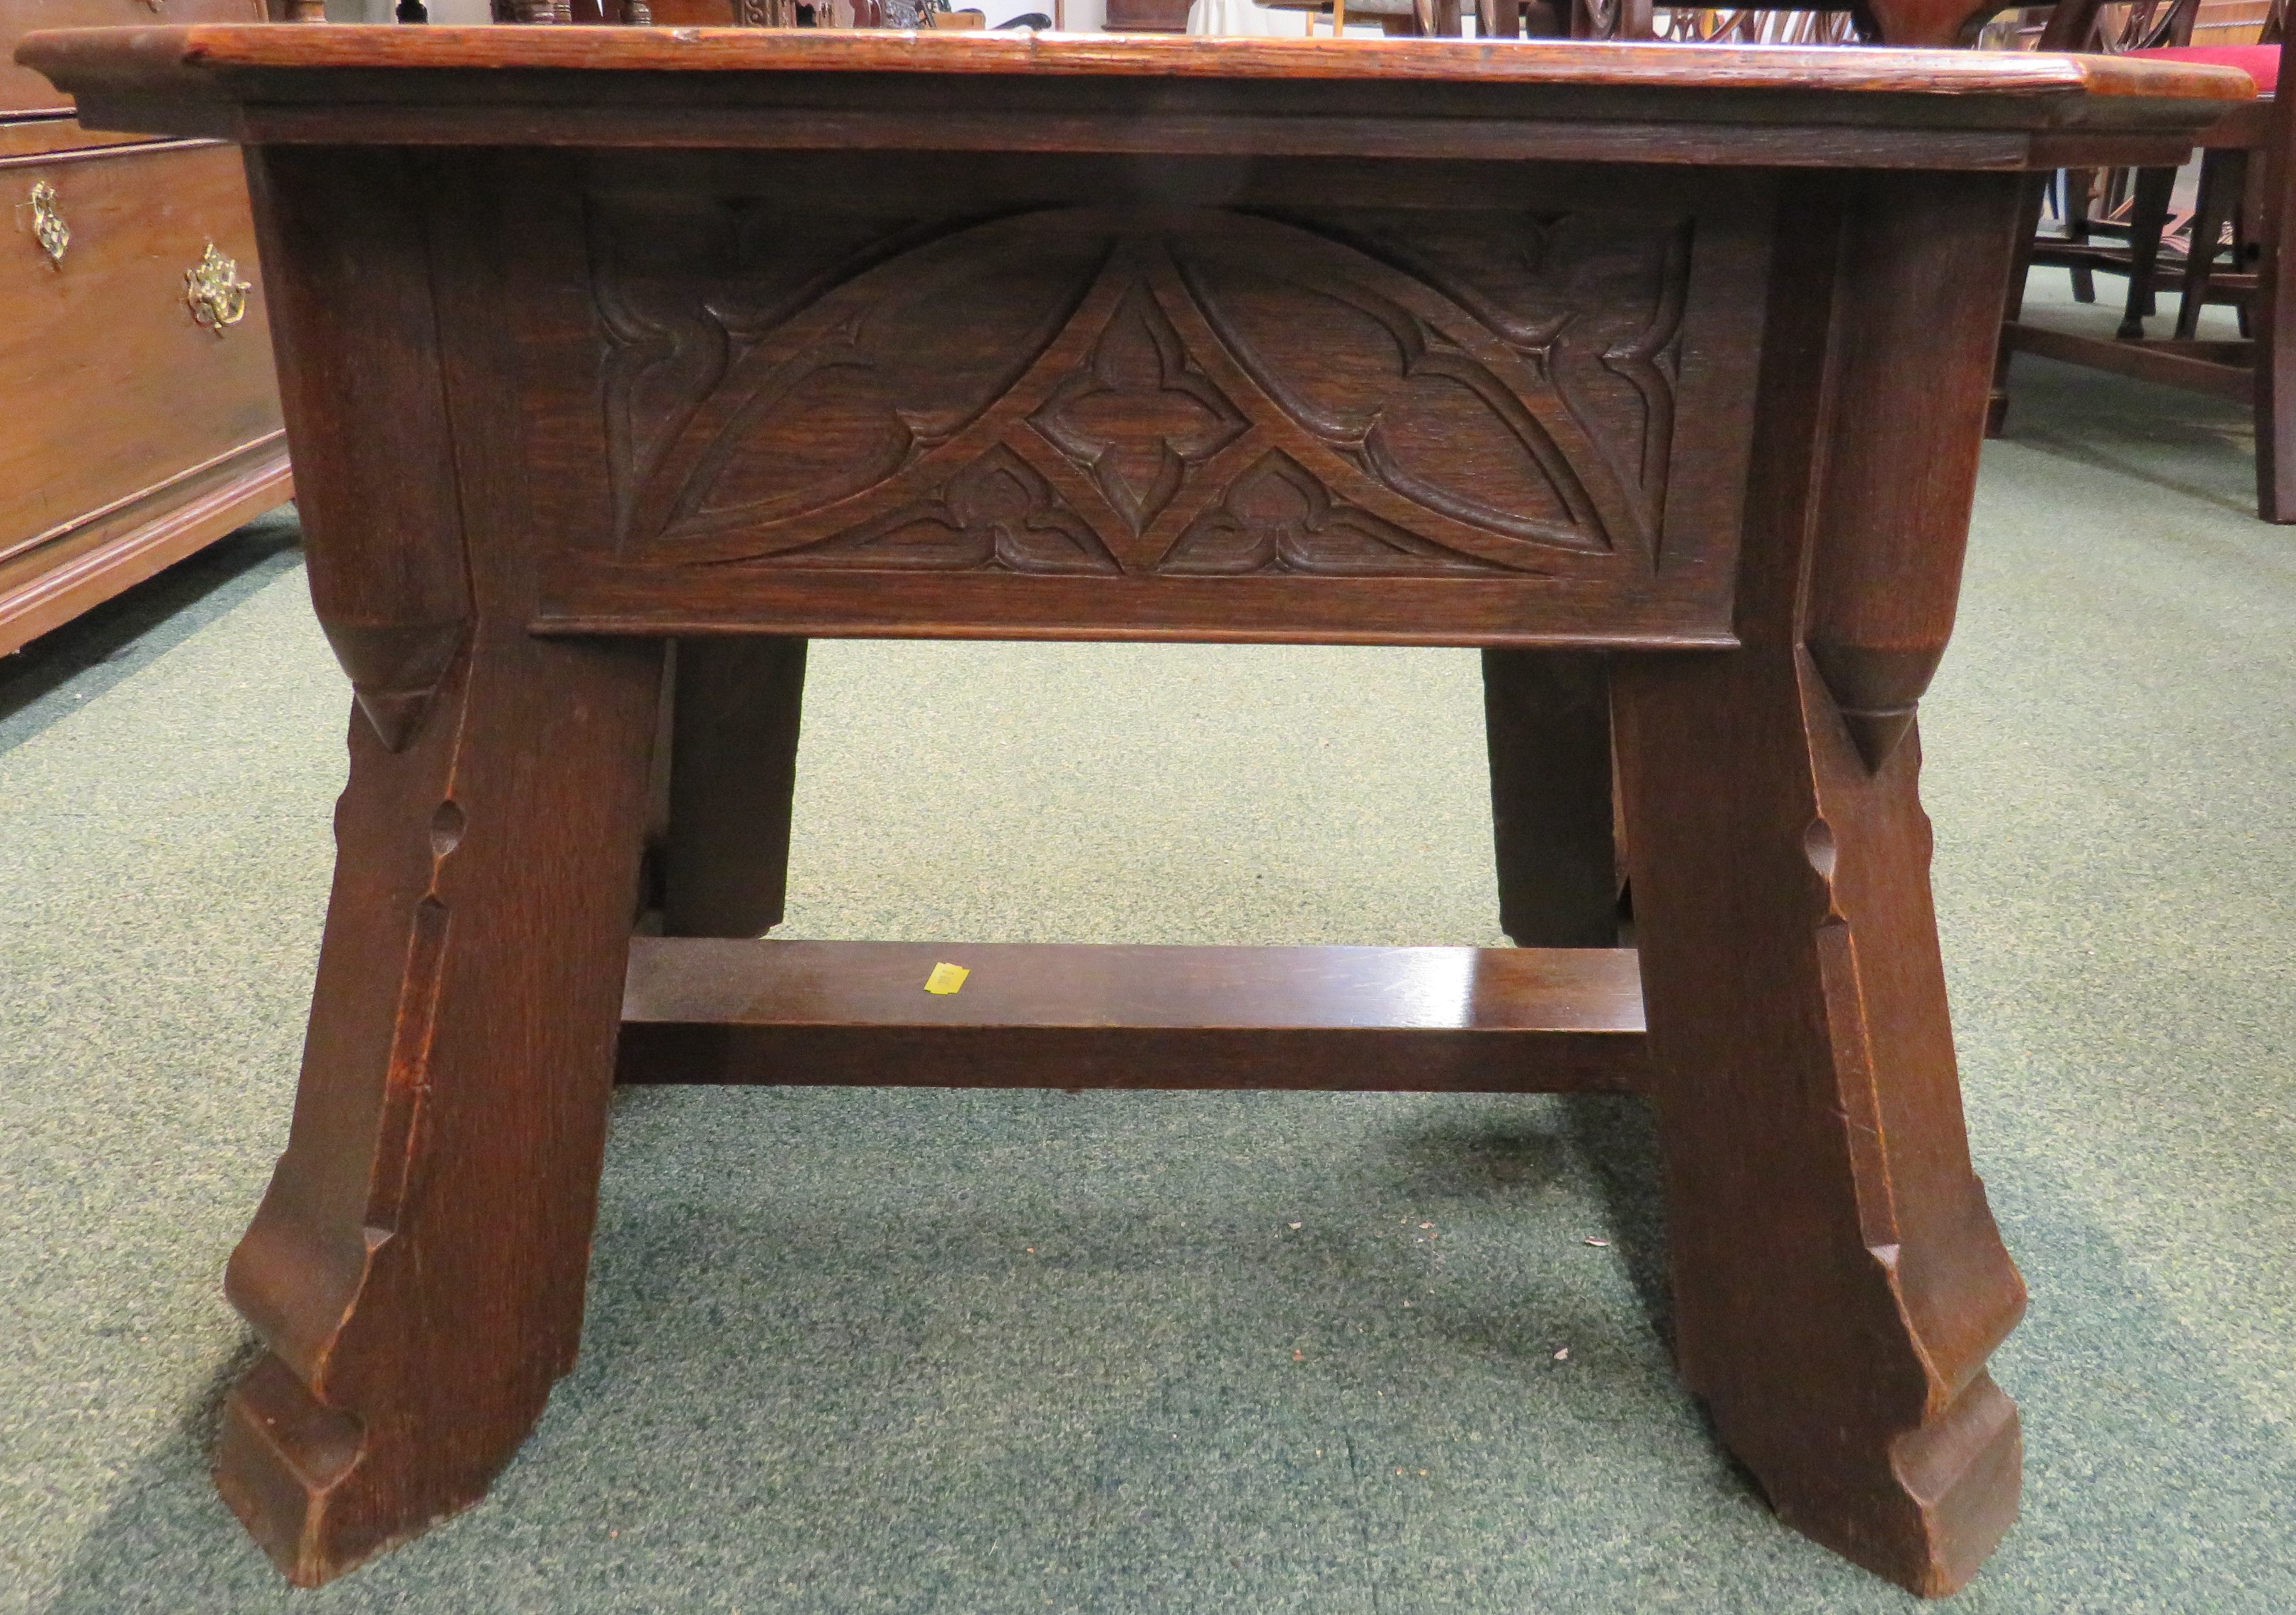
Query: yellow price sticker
column 946, row 979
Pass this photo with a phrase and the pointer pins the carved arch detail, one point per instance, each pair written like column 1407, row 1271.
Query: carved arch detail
column 1076, row 389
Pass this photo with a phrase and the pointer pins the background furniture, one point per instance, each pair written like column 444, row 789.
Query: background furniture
column 1537, row 371
column 143, row 420
column 1147, row 17
column 2246, row 173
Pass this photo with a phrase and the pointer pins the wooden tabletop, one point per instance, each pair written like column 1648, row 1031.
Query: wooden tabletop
column 611, row 85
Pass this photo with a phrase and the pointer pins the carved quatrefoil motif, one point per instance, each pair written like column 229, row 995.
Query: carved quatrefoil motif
column 1066, row 392
column 1137, row 414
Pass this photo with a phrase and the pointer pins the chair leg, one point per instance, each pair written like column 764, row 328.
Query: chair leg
column 2148, row 218
column 2223, row 175
column 2078, row 184
column 2274, row 316
column 2251, row 223
column 1547, row 718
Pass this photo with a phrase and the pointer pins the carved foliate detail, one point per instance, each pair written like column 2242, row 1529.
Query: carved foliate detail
column 1593, row 302
column 1276, row 518
column 998, row 512
column 1433, row 394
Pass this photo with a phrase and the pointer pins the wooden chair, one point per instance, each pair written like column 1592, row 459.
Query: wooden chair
column 1494, row 19
column 2114, row 220
column 1407, row 19
column 1574, row 18
column 2238, row 195
column 1760, row 25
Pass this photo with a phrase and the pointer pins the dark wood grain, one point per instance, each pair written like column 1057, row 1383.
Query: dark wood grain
column 732, row 764
column 1512, row 424
column 1839, row 1279
column 169, row 58
column 1547, row 717
column 23, row 89
column 1881, row 595
column 396, row 608
column 846, row 90
column 415, row 1271
column 1344, row 1019
column 1053, row 338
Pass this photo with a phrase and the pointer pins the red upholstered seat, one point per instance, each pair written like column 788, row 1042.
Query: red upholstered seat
column 2260, row 62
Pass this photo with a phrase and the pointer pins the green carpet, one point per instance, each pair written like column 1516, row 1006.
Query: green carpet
column 902, row 1351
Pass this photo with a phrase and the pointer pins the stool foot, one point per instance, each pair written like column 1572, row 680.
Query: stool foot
column 1932, row 1510
column 295, row 1473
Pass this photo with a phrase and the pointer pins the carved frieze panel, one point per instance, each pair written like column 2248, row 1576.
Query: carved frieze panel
column 1081, row 391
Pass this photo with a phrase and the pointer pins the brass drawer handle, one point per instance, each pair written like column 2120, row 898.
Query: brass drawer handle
column 48, row 224
column 217, row 296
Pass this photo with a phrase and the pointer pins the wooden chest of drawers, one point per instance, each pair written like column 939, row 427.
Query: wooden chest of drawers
column 143, row 418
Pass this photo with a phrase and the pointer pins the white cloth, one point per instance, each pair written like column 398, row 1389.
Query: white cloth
column 1242, row 17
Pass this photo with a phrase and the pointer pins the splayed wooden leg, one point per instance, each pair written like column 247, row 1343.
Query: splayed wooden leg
column 1547, row 717
column 417, row 1267
column 732, row 767
column 1839, row 1279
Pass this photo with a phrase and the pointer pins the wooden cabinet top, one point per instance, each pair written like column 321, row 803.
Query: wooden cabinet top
column 1404, row 98
column 23, row 92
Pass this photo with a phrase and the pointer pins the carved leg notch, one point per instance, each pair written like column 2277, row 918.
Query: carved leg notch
column 1839, row 1280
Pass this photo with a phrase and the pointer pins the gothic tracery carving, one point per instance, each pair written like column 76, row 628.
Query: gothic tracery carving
column 1432, row 395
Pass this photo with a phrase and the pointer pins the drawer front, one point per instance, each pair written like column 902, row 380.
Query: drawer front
column 24, row 90
column 117, row 388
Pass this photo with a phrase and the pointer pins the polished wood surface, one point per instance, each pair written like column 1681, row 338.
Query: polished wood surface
column 1342, row 1019
column 1557, row 358
column 24, row 89
column 1779, row 855
column 230, row 65
column 141, row 434
column 1139, row 94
